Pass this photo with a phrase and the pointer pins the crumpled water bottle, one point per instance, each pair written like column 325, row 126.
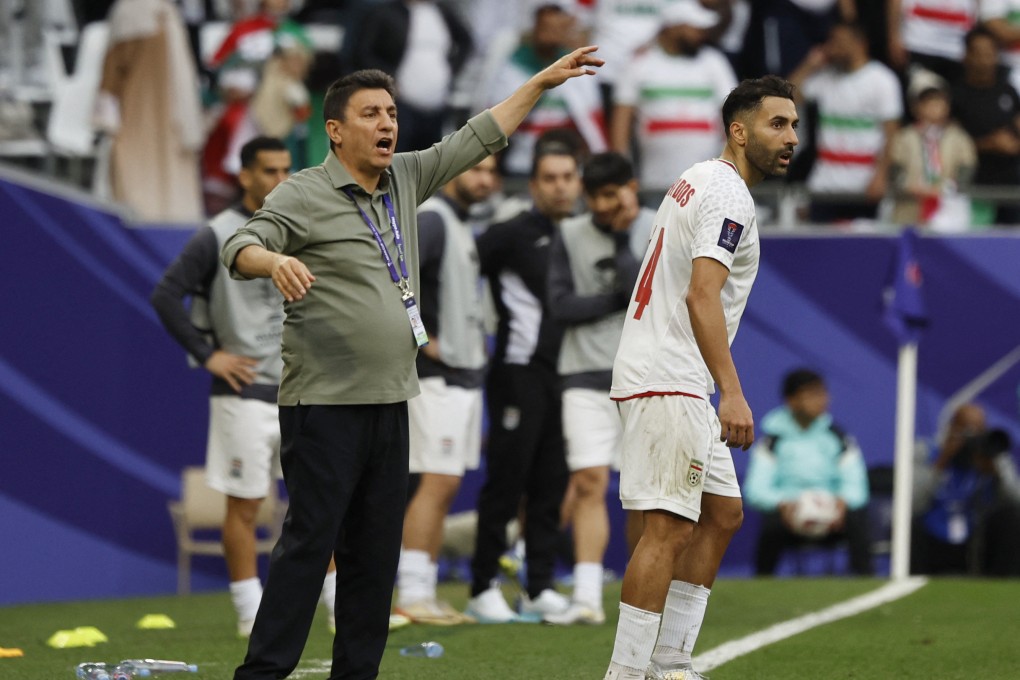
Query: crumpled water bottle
column 424, row 650
column 92, row 670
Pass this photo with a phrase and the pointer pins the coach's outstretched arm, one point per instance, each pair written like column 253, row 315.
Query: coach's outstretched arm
column 511, row 111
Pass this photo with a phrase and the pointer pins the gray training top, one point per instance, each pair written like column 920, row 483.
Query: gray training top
column 349, row 341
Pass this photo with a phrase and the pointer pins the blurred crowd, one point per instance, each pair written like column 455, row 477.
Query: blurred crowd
column 909, row 108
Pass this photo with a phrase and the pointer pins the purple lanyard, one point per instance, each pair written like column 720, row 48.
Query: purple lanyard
column 401, row 280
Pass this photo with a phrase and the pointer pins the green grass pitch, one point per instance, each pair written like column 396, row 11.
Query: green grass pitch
column 950, row 629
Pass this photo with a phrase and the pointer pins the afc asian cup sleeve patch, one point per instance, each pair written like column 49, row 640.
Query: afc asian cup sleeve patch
column 729, row 237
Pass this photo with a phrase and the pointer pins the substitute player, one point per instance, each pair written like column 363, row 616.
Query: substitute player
column 676, row 469
column 446, row 418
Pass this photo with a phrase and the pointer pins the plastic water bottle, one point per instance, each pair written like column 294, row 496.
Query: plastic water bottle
column 142, row 668
column 424, row 650
column 92, row 670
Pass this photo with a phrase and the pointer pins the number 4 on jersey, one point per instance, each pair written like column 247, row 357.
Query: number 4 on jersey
column 643, row 294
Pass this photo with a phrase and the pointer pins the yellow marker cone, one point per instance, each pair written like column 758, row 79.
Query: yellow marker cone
column 10, row 653
column 155, row 622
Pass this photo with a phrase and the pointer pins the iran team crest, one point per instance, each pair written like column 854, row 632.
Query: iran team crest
column 694, row 472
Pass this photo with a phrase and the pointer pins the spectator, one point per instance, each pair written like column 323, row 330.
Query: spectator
column 149, row 103
column 931, row 161
column 988, row 108
column 1002, row 18
column 783, row 32
column 593, row 266
column 576, row 105
column 281, row 106
column 805, row 458
column 967, row 502
column 929, row 34
column 525, row 453
column 622, row 27
column 669, row 98
column 239, row 64
column 859, row 109
column 423, row 44
column 446, row 418
column 234, row 330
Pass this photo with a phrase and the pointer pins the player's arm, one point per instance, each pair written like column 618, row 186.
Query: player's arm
column 191, row 273
column 565, row 304
column 704, row 303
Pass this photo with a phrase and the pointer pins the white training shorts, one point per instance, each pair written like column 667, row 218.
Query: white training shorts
column 243, row 454
column 672, row 454
column 593, row 429
column 445, row 428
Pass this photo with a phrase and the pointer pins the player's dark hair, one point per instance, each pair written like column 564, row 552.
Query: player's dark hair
column 605, row 168
column 748, row 95
column 340, row 92
column 250, row 151
column 543, row 151
column 798, row 379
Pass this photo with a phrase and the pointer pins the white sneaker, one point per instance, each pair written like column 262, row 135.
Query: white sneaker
column 490, row 606
column 548, row 602
column 657, row 672
column 616, row 672
column 577, row 612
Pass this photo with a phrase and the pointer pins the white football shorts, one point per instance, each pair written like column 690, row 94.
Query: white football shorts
column 593, row 429
column 672, row 455
column 445, row 428
column 243, row 452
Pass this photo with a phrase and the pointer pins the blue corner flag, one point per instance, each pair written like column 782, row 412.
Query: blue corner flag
column 905, row 312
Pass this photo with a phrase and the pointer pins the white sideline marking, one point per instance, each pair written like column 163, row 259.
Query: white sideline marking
column 728, row 651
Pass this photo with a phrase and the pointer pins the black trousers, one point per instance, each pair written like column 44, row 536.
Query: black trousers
column 525, row 457
column 775, row 538
column 345, row 468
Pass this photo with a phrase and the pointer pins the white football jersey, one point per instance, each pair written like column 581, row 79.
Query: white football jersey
column 708, row 212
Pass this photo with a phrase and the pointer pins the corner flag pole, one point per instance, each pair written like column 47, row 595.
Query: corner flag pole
column 906, row 316
column 903, row 467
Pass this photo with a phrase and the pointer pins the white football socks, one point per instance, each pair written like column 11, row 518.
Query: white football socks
column 588, row 584
column 328, row 594
column 246, row 596
column 681, row 623
column 415, row 577
column 635, row 637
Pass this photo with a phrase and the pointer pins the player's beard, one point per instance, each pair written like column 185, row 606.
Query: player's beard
column 765, row 160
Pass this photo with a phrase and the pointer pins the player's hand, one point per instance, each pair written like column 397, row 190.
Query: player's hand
column 628, row 210
column 786, row 509
column 572, row 65
column 291, row 277
column 840, row 521
column 237, row 370
column 737, row 422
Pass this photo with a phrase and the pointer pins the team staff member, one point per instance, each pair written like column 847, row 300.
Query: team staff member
column 593, row 265
column 446, row 418
column 696, row 276
column 233, row 330
column 340, row 242
column 525, row 454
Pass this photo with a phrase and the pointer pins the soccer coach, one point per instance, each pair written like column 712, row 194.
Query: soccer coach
column 339, row 240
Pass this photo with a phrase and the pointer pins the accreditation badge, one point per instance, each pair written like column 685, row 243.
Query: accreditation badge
column 417, row 327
